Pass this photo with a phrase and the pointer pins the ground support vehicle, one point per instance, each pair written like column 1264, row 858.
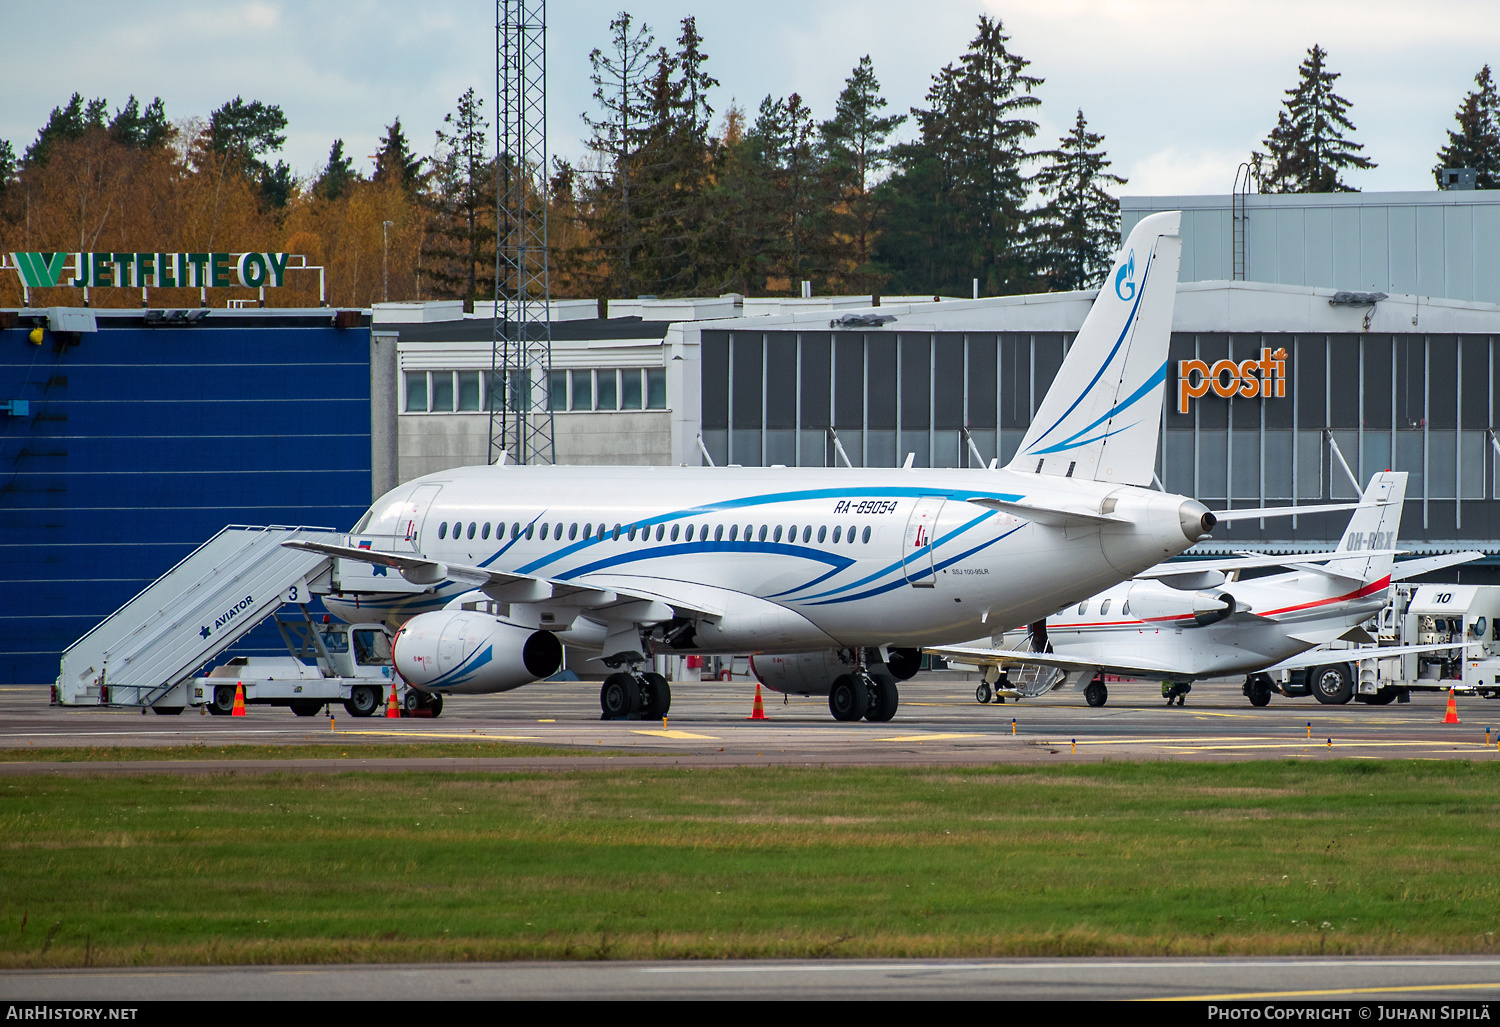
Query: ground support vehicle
column 1465, row 616
column 330, row 663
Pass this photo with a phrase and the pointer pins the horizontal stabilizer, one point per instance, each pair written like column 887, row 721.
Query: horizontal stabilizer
column 1055, row 514
column 1288, row 511
column 1242, row 563
column 1407, row 569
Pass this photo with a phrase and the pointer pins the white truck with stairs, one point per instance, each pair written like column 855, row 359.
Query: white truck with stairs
column 149, row 652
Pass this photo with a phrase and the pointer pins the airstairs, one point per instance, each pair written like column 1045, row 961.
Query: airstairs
column 1029, row 680
column 145, row 651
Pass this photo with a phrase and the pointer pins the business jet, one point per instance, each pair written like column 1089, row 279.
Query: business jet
column 1182, row 622
column 504, row 565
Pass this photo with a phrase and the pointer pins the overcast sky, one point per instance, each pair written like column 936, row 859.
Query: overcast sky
column 1182, row 89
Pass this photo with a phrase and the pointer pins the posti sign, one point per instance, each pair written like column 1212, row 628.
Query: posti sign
column 153, row 270
column 1259, row 377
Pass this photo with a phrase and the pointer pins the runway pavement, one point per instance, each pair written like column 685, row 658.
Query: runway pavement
column 939, row 722
column 1357, row 983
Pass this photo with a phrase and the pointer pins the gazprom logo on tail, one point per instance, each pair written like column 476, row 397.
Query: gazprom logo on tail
column 1125, row 279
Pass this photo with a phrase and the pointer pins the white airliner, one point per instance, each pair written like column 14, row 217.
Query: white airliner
column 506, row 564
column 1184, row 622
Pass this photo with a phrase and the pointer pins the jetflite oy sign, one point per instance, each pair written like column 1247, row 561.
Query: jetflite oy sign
column 152, row 270
column 1263, row 378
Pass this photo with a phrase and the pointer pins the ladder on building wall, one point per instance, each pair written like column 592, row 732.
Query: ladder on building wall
column 213, row 598
column 1238, row 199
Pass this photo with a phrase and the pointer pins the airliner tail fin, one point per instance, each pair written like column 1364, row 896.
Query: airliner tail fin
column 1101, row 418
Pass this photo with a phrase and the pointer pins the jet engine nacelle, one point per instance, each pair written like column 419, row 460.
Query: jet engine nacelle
column 1165, row 606
column 799, row 673
column 467, row 652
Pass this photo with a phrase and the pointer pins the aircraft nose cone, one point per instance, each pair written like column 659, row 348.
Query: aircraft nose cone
column 1196, row 519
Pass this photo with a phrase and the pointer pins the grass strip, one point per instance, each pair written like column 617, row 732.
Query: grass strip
column 1267, row 858
column 321, row 751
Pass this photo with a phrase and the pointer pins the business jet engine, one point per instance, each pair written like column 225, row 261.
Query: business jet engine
column 467, row 652
column 815, row 673
column 1166, row 606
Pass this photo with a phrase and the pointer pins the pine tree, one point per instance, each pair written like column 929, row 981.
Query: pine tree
column 338, row 174
column 1077, row 229
column 463, row 235
column 673, row 169
column 621, row 79
column 1476, row 144
column 142, row 131
column 1308, row 148
column 244, row 134
column 962, row 189
column 745, row 239
column 853, row 144
column 71, row 121
column 395, row 159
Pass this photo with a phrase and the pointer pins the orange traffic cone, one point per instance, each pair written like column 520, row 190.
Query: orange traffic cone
column 393, row 708
column 1452, row 715
column 759, row 713
column 239, row 700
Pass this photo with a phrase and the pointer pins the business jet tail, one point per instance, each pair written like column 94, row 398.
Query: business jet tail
column 1101, row 418
column 1370, row 539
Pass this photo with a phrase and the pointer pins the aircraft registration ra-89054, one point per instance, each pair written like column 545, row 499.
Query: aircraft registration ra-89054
column 854, row 567
column 1182, row 622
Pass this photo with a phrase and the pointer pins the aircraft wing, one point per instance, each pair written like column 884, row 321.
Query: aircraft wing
column 498, row 585
column 1319, row 657
column 1427, row 564
column 1251, row 561
column 979, row 657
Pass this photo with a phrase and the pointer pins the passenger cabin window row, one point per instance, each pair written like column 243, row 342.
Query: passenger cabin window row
column 1083, row 608
column 660, row 532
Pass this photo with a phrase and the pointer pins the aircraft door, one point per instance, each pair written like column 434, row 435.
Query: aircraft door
column 414, row 512
column 916, row 547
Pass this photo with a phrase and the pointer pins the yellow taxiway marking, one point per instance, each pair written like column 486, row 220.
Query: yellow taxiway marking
column 1251, row 995
column 434, row 734
column 678, row 734
column 926, row 738
column 552, row 720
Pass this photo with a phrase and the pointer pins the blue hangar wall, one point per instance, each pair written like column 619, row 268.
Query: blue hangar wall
column 141, row 442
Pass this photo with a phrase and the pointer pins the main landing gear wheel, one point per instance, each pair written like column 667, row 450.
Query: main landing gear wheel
column 1096, row 694
column 1258, row 690
column 656, row 696
column 435, row 703
column 982, row 693
column 411, row 702
column 619, row 696
column 306, row 707
column 848, row 698
column 1331, row 685
column 363, row 701
column 884, row 699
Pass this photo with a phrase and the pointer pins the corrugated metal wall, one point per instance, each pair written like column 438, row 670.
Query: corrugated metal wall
column 1440, row 244
column 141, row 443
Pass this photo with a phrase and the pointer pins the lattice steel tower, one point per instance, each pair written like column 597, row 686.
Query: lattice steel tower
column 521, row 364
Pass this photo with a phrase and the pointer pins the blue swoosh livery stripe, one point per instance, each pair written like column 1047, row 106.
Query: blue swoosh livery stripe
column 1129, row 321
column 476, row 659
column 1073, row 442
